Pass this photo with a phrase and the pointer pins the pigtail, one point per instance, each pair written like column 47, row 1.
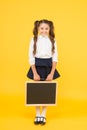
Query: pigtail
column 52, row 35
column 35, row 33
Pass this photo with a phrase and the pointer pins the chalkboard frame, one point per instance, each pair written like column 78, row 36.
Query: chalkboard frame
column 51, row 83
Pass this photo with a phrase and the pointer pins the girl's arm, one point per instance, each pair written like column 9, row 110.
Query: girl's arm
column 36, row 76
column 50, row 76
column 54, row 63
column 32, row 60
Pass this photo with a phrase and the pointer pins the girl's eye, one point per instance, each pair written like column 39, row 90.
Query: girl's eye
column 41, row 28
column 46, row 28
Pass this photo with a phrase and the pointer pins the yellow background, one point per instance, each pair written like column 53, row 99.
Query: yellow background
column 70, row 20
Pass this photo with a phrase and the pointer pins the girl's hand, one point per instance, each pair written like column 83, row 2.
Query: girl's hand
column 36, row 77
column 49, row 77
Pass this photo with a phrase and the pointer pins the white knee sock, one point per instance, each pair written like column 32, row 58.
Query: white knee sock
column 37, row 110
column 44, row 109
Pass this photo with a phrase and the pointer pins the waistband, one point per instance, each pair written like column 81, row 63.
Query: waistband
column 43, row 62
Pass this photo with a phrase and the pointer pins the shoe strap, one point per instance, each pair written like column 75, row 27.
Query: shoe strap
column 43, row 119
column 37, row 118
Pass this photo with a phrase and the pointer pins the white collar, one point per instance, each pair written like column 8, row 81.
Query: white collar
column 43, row 36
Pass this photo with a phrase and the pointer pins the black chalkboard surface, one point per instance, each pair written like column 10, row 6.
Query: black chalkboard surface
column 41, row 93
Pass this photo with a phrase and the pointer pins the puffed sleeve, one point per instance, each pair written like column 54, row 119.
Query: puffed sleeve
column 55, row 54
column 30, row 54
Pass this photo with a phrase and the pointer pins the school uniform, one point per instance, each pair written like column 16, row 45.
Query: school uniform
column 43, row 58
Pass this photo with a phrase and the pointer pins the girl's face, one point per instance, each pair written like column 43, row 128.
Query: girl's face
column 44, row 29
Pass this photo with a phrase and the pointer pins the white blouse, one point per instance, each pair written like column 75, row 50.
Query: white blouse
column 43, row 49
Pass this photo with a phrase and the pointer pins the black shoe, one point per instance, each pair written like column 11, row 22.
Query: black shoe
column 37, row 120
column 42, row 120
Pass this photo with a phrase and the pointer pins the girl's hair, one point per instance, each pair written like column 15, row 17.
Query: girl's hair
column 51, row 33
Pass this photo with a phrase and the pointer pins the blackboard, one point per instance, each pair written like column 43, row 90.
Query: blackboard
column 41, row 93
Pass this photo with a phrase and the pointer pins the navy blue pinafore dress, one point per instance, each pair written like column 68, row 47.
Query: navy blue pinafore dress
column 43, row 67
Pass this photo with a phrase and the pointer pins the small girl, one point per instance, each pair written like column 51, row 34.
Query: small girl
column 43, row 59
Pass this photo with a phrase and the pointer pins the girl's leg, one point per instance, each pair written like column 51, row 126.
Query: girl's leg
column 44, row 109
column 43, row 115
column 37, row 118
column 38, row 111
